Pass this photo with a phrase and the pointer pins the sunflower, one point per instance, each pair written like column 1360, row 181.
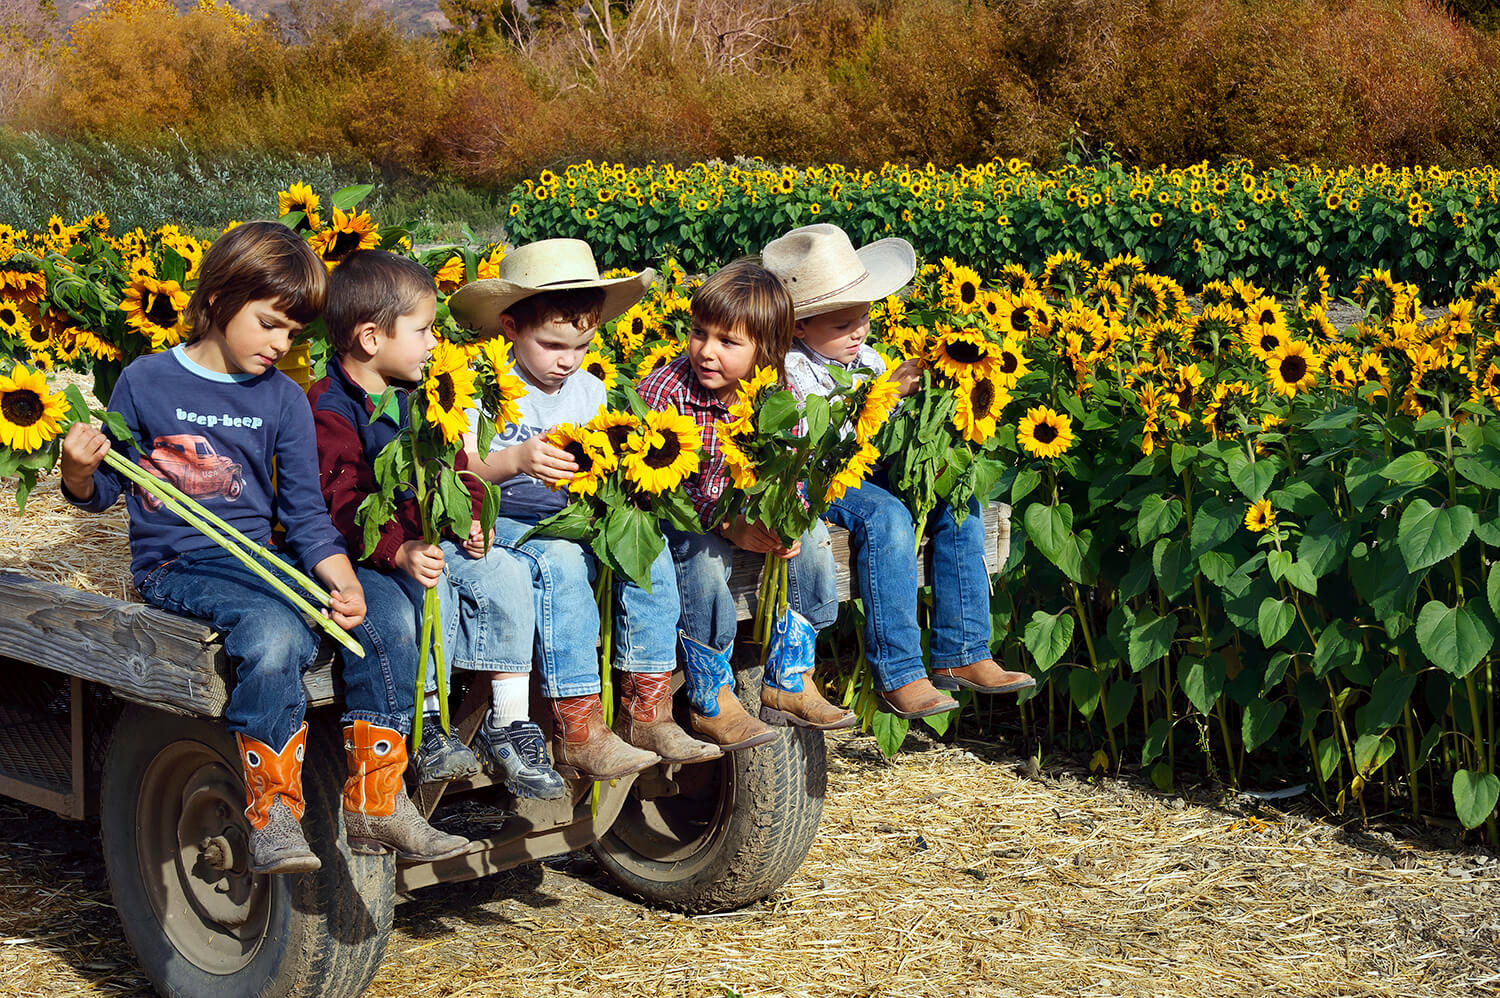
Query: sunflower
column 617, row 427
column 633, row 328
column 961, row 353
column 1026, row 314
column 741, row 468
column 1489, row 384
column 156, row 309
column 1294, row 368
column 980, row 403
column 489, row 265
column 344, row 235
column 1044, row 433
column 11, row 318
column 601, row 367
column 450, row 391
column 666, row 451
column 879, row 396
column 30, row 415
column 1010, row 364
column 500, row 391
column 589, row 449
column 1341, row 375
column 33, row 334
column 656, row 357
column 1067, row 273
column 960, row 287
column 450, row 276
column 1016, row 279
column 1231, row 399
column 853, row 472
column 1259, row 516
column 300, row 197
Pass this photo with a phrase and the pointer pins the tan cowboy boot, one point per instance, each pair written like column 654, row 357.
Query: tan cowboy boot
column 804, row 708
column 274, row 804
column 984, row 676
column 918, row 698
column 583, row 742
column 378, row 816
column 645, row 720
column 730, row 726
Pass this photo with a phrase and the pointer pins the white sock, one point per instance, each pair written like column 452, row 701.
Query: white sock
column 431, row 703
column 509, row 698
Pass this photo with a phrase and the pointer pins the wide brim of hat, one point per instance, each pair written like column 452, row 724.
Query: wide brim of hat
column 479, row 304
column 890, row 264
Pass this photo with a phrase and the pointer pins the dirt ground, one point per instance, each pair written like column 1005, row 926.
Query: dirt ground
column 952, row 871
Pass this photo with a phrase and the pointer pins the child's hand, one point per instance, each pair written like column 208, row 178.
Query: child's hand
column 478, row 542
column 550, row 463
column 83, row 450
column 908, row 376
column 422, row 561
column 346, row 605
column 758, row 538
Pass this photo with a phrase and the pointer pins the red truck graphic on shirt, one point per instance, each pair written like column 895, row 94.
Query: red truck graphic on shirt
column 191, row 463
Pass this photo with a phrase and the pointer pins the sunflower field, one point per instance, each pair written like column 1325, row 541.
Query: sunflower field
column 1249, row 544
column 1432, row 227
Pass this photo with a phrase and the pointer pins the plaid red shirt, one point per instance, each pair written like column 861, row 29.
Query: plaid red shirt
column 675, row 384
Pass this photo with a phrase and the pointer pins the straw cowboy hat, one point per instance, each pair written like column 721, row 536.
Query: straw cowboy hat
column 824, row 272
column 545, row 265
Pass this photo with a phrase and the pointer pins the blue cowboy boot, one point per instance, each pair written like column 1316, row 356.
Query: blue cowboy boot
column 786, row 698
column 716, row 712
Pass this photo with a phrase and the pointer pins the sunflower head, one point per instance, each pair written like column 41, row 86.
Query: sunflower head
column 1045, row 433
column 500, row 391
column 600, row 366
column 589, row 449
column 980, row 402
column 449, row 387
column 1293, row 368
column 618, row 427
column 961, row 353
column 30, row 414
column 960, row 287
column 874, row 400
column 666, row 451
column 1260, row 516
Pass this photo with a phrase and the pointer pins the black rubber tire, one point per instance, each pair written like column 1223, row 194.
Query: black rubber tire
column 742, row 825
column 324, row 933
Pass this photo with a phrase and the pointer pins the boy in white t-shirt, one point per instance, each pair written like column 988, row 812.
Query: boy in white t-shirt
column 548, row 301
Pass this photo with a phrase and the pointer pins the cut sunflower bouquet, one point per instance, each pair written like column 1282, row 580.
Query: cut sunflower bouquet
column 421, row 463
column 33, row 421
column 631, row 465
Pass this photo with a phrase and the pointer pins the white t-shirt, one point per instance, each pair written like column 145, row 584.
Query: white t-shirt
column 578, row 400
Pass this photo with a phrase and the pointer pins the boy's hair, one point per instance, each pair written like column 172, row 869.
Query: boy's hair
column 373, row 286
column 582, row 307
column 254, row 262
column 747, row 296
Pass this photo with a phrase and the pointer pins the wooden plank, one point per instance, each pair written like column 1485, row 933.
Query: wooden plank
column 177, row 663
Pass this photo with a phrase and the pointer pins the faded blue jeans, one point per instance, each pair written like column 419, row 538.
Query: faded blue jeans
column 704, row 561
column 492, row 627
column 270, row 644
column 562, row 574
column 882, row 543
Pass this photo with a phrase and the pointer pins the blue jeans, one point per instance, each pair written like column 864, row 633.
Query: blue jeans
column 270, row 644
column 883, row 545
column 492, row 626
column 562, row 574
column 704, row 562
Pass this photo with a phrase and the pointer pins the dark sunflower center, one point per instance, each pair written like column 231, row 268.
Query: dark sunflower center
column 21, row 407
column 965, row 352
column 344, row 243
column 1266, row 318
column 663, row 456
column 638, row 327
column 1293, row 368
column 8, row 317
column 161, row 311
column 1044, row 433
column 1184, row 396
column 581, row 457
column 1009, row 362
column 983, row 396
column 968, row 292
column 446, row 392
column 596, row 369
column 618, row 437
column 1269, row 342
column 1021, row 320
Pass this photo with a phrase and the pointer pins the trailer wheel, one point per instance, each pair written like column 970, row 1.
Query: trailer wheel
column 172, row 822
column 734, row 831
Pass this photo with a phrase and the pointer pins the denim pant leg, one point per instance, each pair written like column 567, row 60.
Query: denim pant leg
column 702, row 563
column 646, row 627
column 961, row 588
column 267, row 641
column 567, row 617
column 381, row 687
column 882, row 543
column 494, row 627
column 812, row 579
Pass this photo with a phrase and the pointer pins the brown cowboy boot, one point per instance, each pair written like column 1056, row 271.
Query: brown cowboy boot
column 378, row 816
column 984, row 676
column 918, row 698
column 583, row 742
column 805, row 708
column 274, row 804
column 645, row 720
column 732, row 727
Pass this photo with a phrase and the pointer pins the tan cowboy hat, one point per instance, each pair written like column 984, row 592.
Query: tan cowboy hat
column 824, row 272
column 545, row 265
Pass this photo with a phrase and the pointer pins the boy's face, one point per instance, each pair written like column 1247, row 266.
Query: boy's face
column 549, row 351
column 836, row 335
column 254, row 338
column 721, row 358
column 401, row 354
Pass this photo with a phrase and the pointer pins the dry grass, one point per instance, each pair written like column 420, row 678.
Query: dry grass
column 945, row 873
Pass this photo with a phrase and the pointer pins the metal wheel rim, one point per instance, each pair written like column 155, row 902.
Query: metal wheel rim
column 679, row 832
column 191, row 846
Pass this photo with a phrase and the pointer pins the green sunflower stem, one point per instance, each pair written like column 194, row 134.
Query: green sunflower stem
column 604, row 592
column 148, row 482
column 763, row 616
column 422, row 658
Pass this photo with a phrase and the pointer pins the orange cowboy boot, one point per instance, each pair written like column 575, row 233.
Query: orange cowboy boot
column 274, row 805
column 378, row 816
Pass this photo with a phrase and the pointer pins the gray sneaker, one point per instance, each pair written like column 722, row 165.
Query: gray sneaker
column 442, row 757
column 280, row 847
column 518, row 753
